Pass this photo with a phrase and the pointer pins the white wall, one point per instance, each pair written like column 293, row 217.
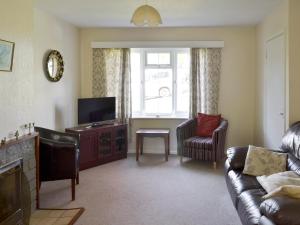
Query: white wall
column 285, row 18
column 55, row 103
column 237, row 85
column 25, row 94
column 16, row 87
column 275, row 23
column 294, row 57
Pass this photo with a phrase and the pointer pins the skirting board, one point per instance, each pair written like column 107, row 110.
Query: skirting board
column 153, row 151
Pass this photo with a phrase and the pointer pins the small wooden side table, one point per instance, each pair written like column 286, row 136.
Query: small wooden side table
column 141, row 133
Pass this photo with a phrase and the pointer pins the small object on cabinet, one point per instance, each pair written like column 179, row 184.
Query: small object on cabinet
column 17, row 134
column 29, row 128
column 3, row 141
column 23, row 129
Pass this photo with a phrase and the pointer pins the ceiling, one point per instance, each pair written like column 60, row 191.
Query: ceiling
column 174, row 13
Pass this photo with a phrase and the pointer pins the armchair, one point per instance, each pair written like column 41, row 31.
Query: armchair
column 59, row 156
column 201, row 148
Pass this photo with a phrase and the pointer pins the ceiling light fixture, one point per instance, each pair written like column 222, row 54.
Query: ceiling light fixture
column 146, row 15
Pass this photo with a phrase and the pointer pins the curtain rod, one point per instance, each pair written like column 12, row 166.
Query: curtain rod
column 158, row 44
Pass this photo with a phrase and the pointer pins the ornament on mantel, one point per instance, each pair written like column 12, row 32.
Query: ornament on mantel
column 17, row 134
column 3, row 141
column 30, row 125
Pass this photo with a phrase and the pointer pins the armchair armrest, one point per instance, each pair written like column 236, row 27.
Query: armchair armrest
column 59, row 144
column 219, row 138
column 281, row 210
column 222, row 127
column 185, row 130
column 236, row 157
column 57, row 135
column 189, row 124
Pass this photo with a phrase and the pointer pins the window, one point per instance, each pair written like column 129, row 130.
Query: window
column 160, row 82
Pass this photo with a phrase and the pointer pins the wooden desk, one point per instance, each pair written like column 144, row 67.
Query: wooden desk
column 141, row 133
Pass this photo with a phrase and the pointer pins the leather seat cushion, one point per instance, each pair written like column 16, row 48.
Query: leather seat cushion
column 293, row 164
column 248, row 206
column 241, row 182
column 197, row 142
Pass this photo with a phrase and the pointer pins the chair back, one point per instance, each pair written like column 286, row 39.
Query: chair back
column 58, row 136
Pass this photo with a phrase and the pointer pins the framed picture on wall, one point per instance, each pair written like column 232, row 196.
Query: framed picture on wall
column 6, row 55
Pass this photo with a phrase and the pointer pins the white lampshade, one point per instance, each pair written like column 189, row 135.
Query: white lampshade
column 146, row 15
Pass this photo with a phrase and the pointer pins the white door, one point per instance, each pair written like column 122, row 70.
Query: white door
column 275, row 92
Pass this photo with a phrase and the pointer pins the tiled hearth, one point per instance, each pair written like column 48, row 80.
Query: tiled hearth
column 24, row 149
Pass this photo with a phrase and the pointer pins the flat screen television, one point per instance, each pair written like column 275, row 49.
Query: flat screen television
column 96, row 110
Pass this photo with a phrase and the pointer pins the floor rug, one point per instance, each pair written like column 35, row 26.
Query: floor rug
column 55, row 216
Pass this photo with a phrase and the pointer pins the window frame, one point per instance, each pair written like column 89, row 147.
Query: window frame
column 173, row 66
column 158, row 51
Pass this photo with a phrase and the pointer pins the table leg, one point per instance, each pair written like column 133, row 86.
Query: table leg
column 137, row 146
column 166, row 147
column 169, row 144
column 142, row 143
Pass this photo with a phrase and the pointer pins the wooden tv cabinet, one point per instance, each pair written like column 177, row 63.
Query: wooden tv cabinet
column 101, row 144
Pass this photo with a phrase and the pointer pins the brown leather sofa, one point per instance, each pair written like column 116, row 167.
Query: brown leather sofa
column 59, row 156
column 246, row 193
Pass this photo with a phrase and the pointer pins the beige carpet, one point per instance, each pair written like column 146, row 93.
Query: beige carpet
column 151, row 192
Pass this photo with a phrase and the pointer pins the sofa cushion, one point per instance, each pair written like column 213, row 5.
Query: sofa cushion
column 241, row 182
column 248, row 206
column 198, row 143
column 281, row 210
column 261, row 161
column 292, row 191
column 270, row 183
column 206, row 124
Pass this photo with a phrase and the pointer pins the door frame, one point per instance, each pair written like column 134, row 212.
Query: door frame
column 285, row 78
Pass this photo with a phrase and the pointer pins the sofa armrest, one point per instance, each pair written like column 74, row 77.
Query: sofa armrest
column 185, row 130
column 236, row 157
column 265, row 221
column 281, row 210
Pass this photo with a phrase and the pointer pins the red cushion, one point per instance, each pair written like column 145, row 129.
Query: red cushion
column 206, row 124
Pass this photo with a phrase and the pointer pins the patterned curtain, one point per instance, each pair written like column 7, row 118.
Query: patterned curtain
column 204, row 80
column 111, row 77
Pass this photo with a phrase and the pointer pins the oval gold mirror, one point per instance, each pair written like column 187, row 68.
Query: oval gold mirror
column 54, row 66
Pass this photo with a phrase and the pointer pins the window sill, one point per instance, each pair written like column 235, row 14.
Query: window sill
column 160, row 117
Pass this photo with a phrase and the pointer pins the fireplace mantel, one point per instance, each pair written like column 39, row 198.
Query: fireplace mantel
column 26, row 147
column 19, row 140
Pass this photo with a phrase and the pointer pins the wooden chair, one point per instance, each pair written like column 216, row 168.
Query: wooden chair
column 59, row 156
